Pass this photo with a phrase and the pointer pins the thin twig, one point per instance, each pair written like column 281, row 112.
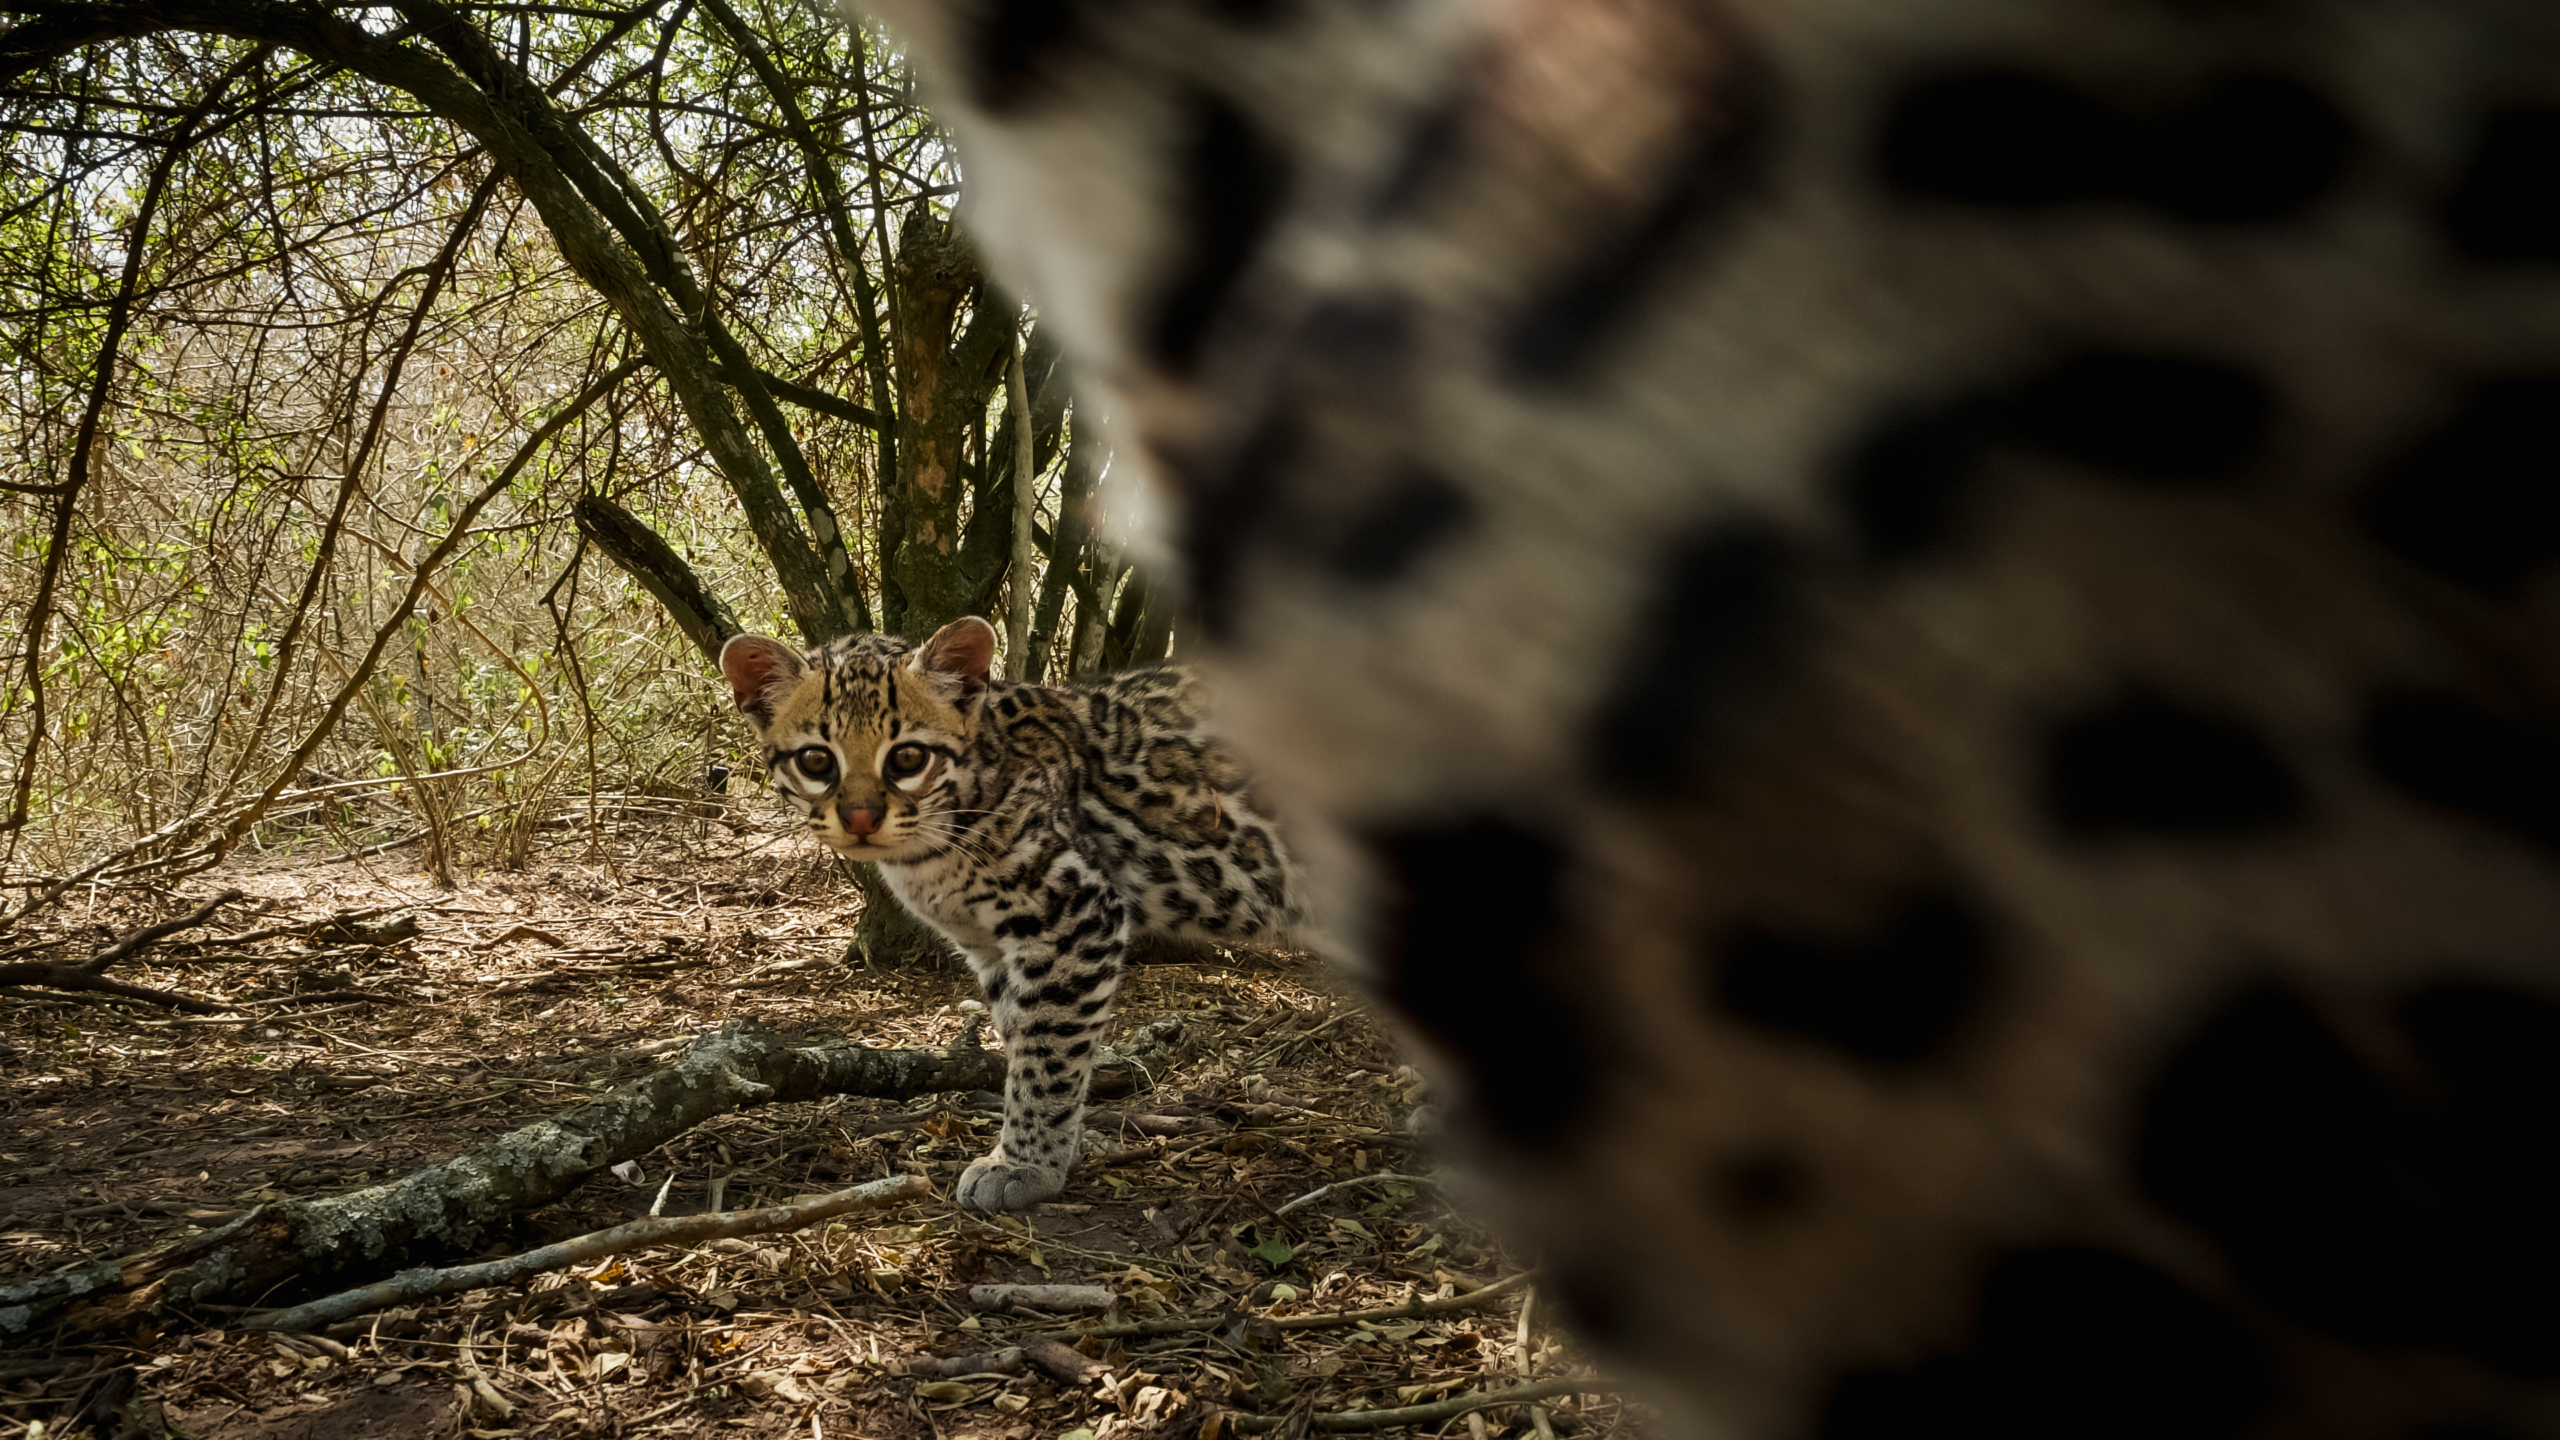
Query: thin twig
column 298, row 928
column 77, row 470
column 97, row 963
column 1410, row 1309
column 323, row 997
column 1321, row 1191
column 1434, row 1413
column 1520, row 1352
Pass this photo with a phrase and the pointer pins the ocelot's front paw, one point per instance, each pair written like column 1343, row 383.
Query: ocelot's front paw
column 993, row 1182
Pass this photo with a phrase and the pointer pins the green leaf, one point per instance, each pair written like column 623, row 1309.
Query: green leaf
column 1274, row 1252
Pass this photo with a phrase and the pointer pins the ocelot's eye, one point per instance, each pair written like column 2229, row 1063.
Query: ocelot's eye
column 817, row 762
column 906, row 760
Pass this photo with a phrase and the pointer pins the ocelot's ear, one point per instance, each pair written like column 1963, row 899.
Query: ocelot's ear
column 759, row 670
column 963, row 651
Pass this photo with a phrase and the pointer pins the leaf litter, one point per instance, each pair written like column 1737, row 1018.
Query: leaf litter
column 1254, row 1195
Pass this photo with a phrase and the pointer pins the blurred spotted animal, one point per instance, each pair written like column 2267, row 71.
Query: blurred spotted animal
column 1918, row 640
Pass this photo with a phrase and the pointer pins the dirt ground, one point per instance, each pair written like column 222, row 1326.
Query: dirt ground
column 357, row 1056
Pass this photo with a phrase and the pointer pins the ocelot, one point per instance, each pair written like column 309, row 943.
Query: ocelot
column 1039, row 829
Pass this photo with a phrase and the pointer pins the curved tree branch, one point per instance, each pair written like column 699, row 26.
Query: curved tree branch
column 621, row 200
column 641, row 554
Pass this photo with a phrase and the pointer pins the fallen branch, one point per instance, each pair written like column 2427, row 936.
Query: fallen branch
column 150, row 934
column 1003, row 1298
column 455, row 1204
column 125, row 1209
column 50, row 1365
column 1521, row 1350
column 280, row 1019
column 306, row 959
column 1007, row 1361
column 76, row 978
column 1070, row 1368
column 14, row 951
column 642, row 1051
column 324, row 997
column 1153, row 1126
column 781, row 970
column 638, row 969
column 1408, row 1310
column 1438, row 1411
column 53, row 890
column 523, row 932
column 352, row 930
column 425, row 1283
column 1374, row 1177
column 88, row 977
column 346, row 919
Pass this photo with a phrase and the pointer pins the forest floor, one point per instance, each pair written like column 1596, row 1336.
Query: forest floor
column 353, row 1060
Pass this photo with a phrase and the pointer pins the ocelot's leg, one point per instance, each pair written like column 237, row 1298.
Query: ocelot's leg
column 1052, row 995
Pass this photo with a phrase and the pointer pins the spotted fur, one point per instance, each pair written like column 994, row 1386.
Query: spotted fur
column 1916, row 635
column 1039, row 829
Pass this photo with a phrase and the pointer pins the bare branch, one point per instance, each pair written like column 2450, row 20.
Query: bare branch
column 74, row 978
column 152, row 934
column 84, row 446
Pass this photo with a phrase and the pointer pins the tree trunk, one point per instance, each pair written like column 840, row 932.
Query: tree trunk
column 1019, row 584
column 928, row 577
column 889, row 935
column 943, row 386
column 1093, row 623
column 1120, row 639
column 1068, row 547
column 1155, row 631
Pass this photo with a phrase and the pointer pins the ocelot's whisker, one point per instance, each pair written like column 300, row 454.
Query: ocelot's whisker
column 963, row 842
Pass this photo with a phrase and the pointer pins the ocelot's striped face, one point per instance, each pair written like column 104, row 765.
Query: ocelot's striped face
column 865, row 735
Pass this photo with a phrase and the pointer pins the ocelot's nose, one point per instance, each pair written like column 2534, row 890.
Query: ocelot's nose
column 861, row 819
